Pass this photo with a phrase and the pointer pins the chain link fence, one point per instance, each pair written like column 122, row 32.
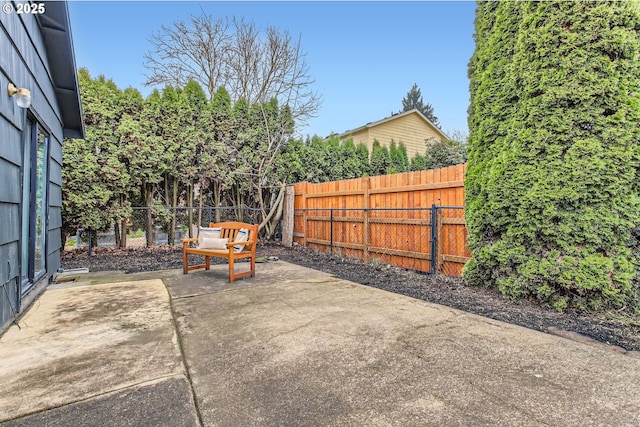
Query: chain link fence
column 431, row 240
column 159, row 226
column 452, row 250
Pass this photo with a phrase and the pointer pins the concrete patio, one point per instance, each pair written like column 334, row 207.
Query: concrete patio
column 293, row 347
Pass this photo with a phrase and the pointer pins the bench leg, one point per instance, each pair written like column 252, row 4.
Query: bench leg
column 253, row 266
column 185, row 262
column 231, row 276
column 207, row 262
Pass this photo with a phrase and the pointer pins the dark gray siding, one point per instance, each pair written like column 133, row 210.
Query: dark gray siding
column 10, row 164
column 55, row 206
column 24, row 62
column 10, row 275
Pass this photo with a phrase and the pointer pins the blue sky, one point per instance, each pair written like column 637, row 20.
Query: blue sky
column 364, row 56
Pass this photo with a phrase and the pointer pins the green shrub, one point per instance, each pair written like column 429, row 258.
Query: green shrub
column 444, row 153
column 552, row 192
column 135, row 234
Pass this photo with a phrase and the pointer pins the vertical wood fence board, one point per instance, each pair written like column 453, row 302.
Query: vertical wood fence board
column 376, row 228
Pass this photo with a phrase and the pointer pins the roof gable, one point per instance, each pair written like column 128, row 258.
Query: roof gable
column 395, row 117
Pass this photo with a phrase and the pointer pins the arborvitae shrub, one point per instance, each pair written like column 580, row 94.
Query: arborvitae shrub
column 552, row 191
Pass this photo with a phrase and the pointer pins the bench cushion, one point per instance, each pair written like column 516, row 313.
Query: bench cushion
column 243, row 236
column 209, row 233
column 213, row 243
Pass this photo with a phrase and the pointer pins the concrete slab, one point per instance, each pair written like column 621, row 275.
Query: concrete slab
column 202, row 282
column 160, row 403
column 80, row 342
column 292, row 346
column 296, row 346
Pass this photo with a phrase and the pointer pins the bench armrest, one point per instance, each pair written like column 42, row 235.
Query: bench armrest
column 185, row 242
column 248, row 243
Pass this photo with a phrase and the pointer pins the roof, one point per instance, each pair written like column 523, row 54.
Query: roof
column 56, row 33
column 394, row 117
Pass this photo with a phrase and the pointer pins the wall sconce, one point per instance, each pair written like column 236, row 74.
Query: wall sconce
column 22, row 95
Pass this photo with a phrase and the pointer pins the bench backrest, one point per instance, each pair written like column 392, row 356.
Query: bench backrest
column 229, row 230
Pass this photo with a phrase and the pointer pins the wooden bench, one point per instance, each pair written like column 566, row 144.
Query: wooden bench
column 228, row 230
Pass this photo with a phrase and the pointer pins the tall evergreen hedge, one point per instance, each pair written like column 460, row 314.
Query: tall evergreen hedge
column 553, row 178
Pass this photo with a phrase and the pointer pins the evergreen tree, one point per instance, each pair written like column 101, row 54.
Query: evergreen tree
column 218, row 151
column 293, row 162
column 334, row 159
column 356, row 163
column 94, row 176
column 418, row 163
column 362, row 152
column 553, row 179
column 413, row 99
column 379, row 162
column 399, row 162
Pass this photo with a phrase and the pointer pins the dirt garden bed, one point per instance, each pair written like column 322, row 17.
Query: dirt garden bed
column 617, row 329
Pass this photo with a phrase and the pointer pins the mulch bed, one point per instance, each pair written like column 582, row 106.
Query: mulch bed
column 619, row 329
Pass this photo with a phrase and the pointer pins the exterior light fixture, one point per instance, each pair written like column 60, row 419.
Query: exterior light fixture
column 22, row 95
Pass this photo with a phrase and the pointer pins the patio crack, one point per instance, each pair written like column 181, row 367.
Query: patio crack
column 280, row 334
column 183, row 357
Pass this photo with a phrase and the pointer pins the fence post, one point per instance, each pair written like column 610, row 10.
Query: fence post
column 288, row 216
column 331, row 231
column 305, row 191
column 439, row 233
column 434, row 238
column 365, row 225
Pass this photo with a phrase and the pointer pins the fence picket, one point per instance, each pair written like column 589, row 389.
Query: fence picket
column 363, row 229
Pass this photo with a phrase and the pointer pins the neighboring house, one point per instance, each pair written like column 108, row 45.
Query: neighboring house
column 411, row 128
column 36, row 55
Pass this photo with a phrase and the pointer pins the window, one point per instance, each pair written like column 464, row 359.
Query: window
column 34, row 203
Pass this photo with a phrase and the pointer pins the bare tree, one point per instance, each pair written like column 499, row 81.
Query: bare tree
column 265, row 71
column 235, row 55
column 195, row 50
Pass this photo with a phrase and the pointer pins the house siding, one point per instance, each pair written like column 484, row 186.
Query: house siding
column 410, row 129
column 9, row 301
column 362, row 137
column 24, row 62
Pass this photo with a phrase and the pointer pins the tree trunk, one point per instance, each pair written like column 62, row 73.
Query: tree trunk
column 148, row 202
column 166, row 183
column 190, row 208
column 216, row 200
column 239, row 204
column 92, row 238
column 174, row 202
column 116, row 232
column 271, row 220
column 200, row 205
column 121, row 228
column 166, row 189
column 123, row 233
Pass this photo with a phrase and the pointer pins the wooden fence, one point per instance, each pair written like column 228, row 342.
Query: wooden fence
column 401, row 219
